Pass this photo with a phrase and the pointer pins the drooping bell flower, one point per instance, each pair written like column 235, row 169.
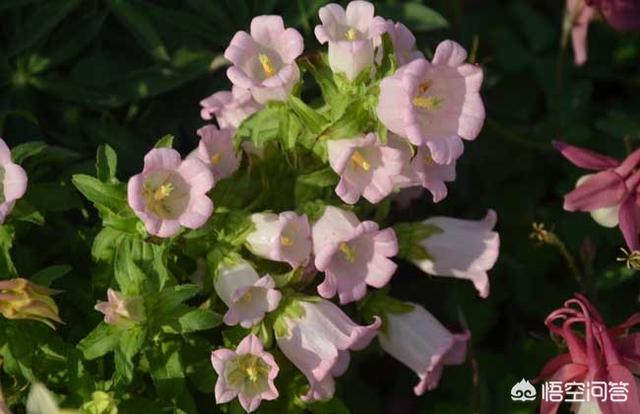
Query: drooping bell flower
column 13, row 182
column 248, row 296
column 246, row 373
column 435, row 103
column 464, row 249
column 420, row 169
column 366, row 168
column 284, row 237
column 229, row 107
column 352, row 254
column 170, row 193
column 610, row 195
column 121, row 310
column 316, row 336
column 579, row 15
column 352, row 35
column 216, row 151
column 404, row 43
column 418, row 340
column 22, row 299
column 264, row 61
column 622, row 15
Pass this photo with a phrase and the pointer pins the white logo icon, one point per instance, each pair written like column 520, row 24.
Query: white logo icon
column 523, row 391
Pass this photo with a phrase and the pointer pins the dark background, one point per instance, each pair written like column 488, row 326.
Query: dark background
column 77, row 73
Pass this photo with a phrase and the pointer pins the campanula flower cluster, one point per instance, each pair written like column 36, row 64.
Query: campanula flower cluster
column 275, row 226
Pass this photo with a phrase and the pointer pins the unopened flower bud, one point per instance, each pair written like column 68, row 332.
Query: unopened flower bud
column 22, row 299
column 121, row 310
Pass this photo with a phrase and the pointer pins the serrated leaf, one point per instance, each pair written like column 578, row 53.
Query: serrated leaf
column 131, row 342
column 28, row 149
column 199, row 320
column 309, row 117
column 111, row 196
column 102, row 340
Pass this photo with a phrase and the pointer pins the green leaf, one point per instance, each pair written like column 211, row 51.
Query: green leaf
column 416, row 16
column 43, row 20
column 110, row 196
column 167, row 301
column 7, row 269
column 48, row 275
column 168, row 374
column 133, row 17
column 102, row 340
column 261, row 127
column 538, row 30
column 128, row 274
column 106, row 163
column 26, row 150
column 199, row 320
column 131, row 342
column 165, row 142
column 73, row 38
column 309, row 117
column 105, row 244
column 289, row 128
column 325, row 177
column 410, row 237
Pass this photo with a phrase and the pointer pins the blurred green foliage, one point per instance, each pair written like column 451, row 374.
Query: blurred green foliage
column 79, row 73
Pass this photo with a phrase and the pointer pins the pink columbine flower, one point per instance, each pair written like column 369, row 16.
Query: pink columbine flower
column 366, row 168
column 435, row 104
column 404, row 43
column 216, row 151
column 352, row 35
column 247, row 373
column 352, row 254
column 622, row 15
column 229, row 107
column 464, row 249
column 284, row 237
column 248, row 296
column 421, row 343
column 121, row 310
column 14, row 181
column 317, row 338
column 600, row 354
column 264, row 61
column 170, row 192
column 420, row 169
column 611, row 194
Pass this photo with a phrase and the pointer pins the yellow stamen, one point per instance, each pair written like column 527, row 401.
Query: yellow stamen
column 286, row 241
column 427, row 160
column 428, row 102
column 252, row 373
column 215, row 158
column 360, row 161
column 267, row 66
column 246, row 297
column 163, row 192
column 351, row 34
column 348, row 251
